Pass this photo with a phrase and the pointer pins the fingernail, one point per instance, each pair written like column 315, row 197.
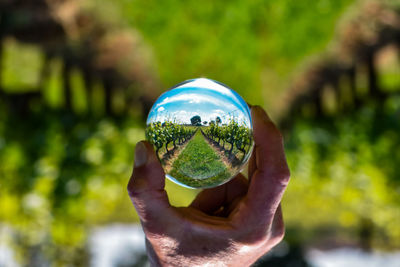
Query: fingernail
column 140, row 154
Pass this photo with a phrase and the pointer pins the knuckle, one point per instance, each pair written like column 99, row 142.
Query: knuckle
column 280, row 233
column 277, row 237
column 129, row 186
column 136, row 195
column 133, row 192
column 284, row 176
column 254, row 237
column 135, row 187
column 260, row 237
column 281, row 175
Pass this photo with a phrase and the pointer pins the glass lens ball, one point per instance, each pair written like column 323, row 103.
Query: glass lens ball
column 202, row 133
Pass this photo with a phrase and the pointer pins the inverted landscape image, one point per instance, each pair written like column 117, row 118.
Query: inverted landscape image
column 201, row 132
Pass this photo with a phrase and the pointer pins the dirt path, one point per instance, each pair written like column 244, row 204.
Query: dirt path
column 199, row 165
column 167, row 162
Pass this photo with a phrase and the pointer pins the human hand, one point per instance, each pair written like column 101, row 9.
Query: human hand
column 230, row 225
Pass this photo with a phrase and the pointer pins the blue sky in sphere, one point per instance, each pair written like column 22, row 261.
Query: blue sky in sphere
column 203, row 97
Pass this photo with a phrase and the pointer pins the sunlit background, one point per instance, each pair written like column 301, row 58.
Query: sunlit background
column 77, row 79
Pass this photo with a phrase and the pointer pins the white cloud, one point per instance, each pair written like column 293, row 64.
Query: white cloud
column 206, row 103
column 196, row 98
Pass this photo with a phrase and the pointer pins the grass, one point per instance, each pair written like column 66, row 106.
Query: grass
column 198, row 165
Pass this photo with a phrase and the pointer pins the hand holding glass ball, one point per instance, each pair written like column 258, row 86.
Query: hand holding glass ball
column 230, row 225
column 202, row 133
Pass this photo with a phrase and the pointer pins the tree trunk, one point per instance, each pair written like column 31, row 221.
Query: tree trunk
column 88, row 80
column 318, row 102
column 67, row 84
column 353, row 87
column 1, row 60
column 365, row 234
column 3, row 13
column 338, row 96
column 243, row 151
column 230, row 150
column 166, row 147
column 157, row 150
column 107, row 95
column 372, row 77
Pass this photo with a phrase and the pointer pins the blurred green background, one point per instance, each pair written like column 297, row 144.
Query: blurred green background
column 78, row 77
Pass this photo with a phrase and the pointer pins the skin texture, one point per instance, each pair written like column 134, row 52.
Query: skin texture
column 230, row 225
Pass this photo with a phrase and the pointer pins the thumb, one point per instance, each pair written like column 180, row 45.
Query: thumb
column 146, row 185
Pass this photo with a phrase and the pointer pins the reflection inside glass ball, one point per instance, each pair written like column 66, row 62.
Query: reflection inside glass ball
column 201, row 131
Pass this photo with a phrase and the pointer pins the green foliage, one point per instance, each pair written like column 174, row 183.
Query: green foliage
column 233, row 134
column 52, row 88
column 196, row 120
column 21, row 65
column 60, row 176
column 345, row 171
column 253, row 46
column 160, row 134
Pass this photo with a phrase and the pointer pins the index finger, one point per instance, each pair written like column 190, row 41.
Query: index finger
column 270, row 173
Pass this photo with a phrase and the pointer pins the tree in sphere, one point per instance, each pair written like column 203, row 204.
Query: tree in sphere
column 196, row 120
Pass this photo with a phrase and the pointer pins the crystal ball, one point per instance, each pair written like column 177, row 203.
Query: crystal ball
column 202, row 133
